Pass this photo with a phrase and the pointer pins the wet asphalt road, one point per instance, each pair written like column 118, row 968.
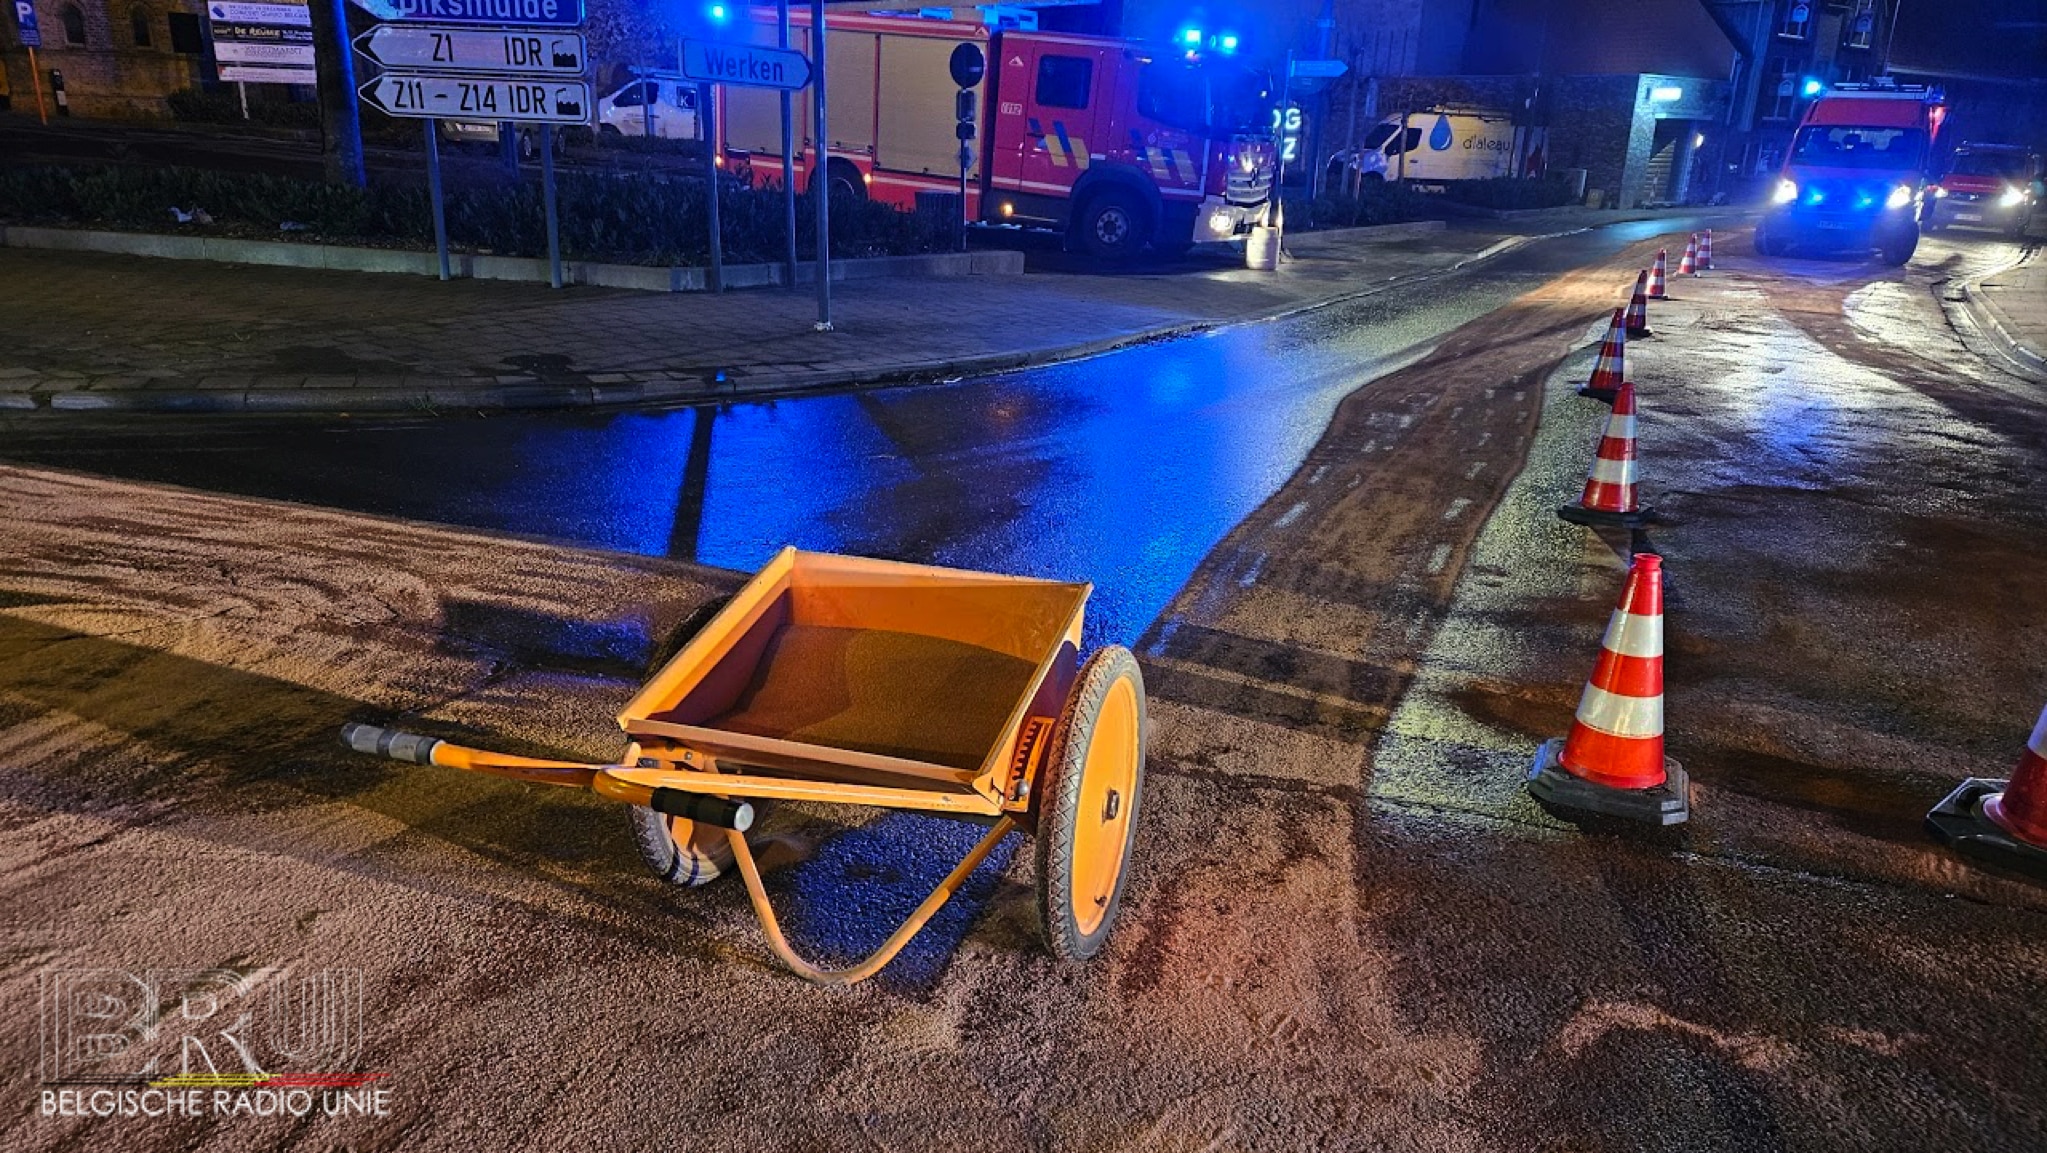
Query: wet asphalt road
column 1123, row 469
column 1349, row 927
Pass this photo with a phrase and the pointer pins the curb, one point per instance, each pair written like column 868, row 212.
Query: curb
column 535, row 395
column 473, row 266
column 1998, row 325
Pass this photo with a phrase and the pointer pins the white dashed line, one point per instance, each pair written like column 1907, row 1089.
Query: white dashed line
column 1484, row 437
column 1291, row 515
column 1250, row 576
column 1319, row 474
column 1476, row 468
column 1439, row 558
column 1456, row 508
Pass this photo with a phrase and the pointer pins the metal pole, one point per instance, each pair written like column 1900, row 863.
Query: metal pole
column 788, row 151
column 35, row 77
column 242, row 93
column 964, row 167
column 554, row 232
column 433, row 185
column 819, row 176
column 707, row 99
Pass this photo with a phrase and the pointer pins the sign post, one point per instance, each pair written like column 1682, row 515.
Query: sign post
column 462, row 62
column 788, row 151
column 711, row 63
column 31, row 39
column 968, row 65
column 820, row 184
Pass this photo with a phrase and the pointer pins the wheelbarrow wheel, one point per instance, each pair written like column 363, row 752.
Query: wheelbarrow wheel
column 1088, row 801
column 677, row 849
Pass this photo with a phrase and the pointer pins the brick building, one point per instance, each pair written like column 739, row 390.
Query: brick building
column 119, row 58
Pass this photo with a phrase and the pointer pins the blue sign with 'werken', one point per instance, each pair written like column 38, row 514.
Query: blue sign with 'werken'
column 25, row 19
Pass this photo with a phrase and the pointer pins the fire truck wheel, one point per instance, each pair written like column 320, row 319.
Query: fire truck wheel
column 842, row 179
column 1110, row 225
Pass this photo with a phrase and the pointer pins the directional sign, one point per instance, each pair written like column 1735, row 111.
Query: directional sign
column 25, row 20
column 747, row 65
column 1319, row 69
column 479, row 98
column 474, row 13
column 426, row 48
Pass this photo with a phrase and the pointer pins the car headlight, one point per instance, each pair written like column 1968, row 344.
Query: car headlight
column 1787, row 191
column 1937, row 192
column 1900, row 196
column 2012, row 198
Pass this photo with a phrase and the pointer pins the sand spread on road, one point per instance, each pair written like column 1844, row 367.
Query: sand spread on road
column 895, row 694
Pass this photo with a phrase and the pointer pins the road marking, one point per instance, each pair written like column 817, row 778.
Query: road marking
column 1456, row 412
column 1476, row 468
column 1456, row 508
column 1369, row 445
column 1165, row 634
column 1318, row 475
column 1484, row 437
column 1291, row 515
column 1439, row 558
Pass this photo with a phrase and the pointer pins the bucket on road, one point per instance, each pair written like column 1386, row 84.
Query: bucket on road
column 1261, row 249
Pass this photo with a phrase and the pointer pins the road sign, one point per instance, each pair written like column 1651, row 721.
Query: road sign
column 967, row 65
column 262, row 43
column 747, row 65
column 503, row 51
column 25, row 20
column 475, row 13
column 422, row 97
column 1319, row 69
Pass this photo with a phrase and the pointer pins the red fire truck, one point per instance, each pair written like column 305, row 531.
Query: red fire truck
column 1117, row 144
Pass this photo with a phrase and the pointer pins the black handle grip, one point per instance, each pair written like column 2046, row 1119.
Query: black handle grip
column 407, row 747
column 735, row 815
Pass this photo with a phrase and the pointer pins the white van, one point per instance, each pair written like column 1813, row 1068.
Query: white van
column 1433, row 146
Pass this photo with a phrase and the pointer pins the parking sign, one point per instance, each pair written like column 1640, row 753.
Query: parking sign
column 25, row 19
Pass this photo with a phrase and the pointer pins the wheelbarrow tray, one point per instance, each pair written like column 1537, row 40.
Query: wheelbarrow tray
column 847, row 679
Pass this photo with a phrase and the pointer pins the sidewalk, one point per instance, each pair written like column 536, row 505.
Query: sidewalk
column 2014, row 303
column 130, row 333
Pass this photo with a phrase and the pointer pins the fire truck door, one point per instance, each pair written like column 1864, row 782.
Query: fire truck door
column 1050, row 95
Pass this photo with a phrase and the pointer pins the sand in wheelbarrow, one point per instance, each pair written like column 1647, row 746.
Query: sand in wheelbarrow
column 921, row 698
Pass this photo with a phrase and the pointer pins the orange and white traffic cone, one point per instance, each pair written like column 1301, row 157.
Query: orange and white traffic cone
column 1611, row 498
column 1610, row 371
column 1659, row 274
column 1706, row 251
column 1612, row 761
column 1689, row 266
column 1638, row 308
column 2003, row 822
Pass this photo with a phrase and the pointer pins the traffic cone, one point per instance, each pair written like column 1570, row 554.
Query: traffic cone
column 1609, row 372
column 1612, row 761
column 1659, row 272
column 1689, row 266
column 2003, row 822
column 1638, row 308
column 1611, row 499
column 1706, row 251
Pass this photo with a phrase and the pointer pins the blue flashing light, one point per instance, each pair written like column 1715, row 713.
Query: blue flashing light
column 718, row 13
column 1190, row 37
column 1814, row 86
column 1227, row 42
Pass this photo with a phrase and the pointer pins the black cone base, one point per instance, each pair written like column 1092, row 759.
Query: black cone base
column 1592, row 518
column 1960, row 823
column 1555, row 788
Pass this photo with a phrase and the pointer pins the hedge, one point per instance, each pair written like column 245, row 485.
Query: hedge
column 638, row 220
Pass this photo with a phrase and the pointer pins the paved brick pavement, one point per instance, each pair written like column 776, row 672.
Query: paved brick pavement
column 2015, row 304
column 97, row 331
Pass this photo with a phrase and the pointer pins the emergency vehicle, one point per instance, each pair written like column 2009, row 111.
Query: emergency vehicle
column 1988, row 186
column 1855, row 176
column 1117, row 144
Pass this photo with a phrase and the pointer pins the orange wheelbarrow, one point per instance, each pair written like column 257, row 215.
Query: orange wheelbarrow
column 864, row 682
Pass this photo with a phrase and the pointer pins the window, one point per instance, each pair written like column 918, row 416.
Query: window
column 1063, row 81
column 633, row 95
column 1890, row 149
column 1796, row 23
column 1780, row 89
column 185, row 37
column 1860, row 29
column 138, row 19
column 74, row 25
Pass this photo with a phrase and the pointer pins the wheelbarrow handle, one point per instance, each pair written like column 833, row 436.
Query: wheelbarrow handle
column 411, row 748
